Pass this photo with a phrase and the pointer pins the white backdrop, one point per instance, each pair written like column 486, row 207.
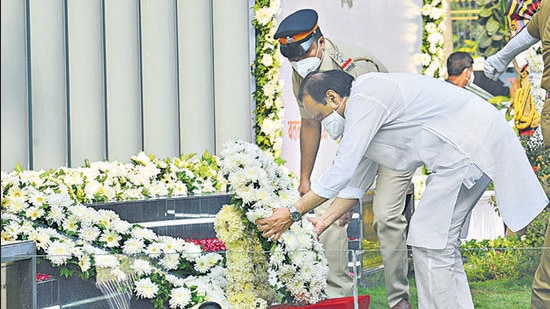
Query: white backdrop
column 391, row 30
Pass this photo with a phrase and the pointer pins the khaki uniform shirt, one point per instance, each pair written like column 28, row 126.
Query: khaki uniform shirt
column 539, row 27
column 336, row 56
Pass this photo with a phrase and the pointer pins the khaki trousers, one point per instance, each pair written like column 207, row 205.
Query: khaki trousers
column 540, row 295
column 390, row 226
column 335, row 242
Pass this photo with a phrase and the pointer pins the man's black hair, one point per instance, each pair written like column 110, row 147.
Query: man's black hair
column 457, row 62
column 316, row 84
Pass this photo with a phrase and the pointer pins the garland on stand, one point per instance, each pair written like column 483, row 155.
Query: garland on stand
column 433, row 42
column 269, row 110
column 259, row 272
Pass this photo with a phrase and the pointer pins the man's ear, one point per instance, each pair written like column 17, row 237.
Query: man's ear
column 331, row 95
column 322, row 42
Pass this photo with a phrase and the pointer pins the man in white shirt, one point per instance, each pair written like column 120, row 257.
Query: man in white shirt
column 404, row 121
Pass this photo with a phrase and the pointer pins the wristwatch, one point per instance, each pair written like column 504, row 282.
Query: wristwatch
column 295, row 215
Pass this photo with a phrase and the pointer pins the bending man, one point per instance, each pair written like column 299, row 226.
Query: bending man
column 403, row 121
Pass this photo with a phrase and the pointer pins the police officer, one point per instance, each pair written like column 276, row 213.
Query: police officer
column 303, row 44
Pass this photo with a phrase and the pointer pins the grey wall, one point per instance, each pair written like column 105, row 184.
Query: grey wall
column 105, row 79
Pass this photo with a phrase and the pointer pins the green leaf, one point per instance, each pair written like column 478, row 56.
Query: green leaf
column 492, row 26
column 484, row 40
column 65, row 272
column 485, row 12
column 18, row 167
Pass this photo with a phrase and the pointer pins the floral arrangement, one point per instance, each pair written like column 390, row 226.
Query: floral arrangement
column 539, row 156
column 144, row 177
column 46, row 207
column 533, row 56
column 86, row 241
column 432, row 56
column 269, row 110
column 294, row 266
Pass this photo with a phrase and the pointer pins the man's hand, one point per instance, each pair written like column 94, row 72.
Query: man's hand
column 494, row 66
column 345, row 218
column 275, row 225
column 319, row 225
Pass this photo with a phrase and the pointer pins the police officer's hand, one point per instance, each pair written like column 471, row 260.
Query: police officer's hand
column 304, row 187
column 494, row 66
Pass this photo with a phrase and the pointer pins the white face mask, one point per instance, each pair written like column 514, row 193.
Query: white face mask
column 307, row 65
column 334, row 124
column 471, row 80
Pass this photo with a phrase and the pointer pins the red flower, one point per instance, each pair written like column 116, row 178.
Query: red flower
column 209, row 244
column 535, row 168
column 42, row 277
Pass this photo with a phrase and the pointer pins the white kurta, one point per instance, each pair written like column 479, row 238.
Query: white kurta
column 403, row 121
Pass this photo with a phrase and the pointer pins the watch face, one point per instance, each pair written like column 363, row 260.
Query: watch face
column 295, row 216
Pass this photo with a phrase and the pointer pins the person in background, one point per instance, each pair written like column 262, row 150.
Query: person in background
column 460, row 69
column 303, row 44
column 404, row 121
column 460, row 72
column 537, row 29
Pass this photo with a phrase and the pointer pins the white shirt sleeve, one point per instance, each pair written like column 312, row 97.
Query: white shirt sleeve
column 365, row 114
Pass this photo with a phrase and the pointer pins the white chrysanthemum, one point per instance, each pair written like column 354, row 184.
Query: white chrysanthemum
column 174, row 280
column 213, row 259
column 133, row 246
column 110, row 238
column 16, row 193
column 59, row 199
column 191, row 251
column 37, row 198
column 106, row 260
column 70, row 224
column 132, row 194
column 85, row 263
column 143, row 233
column 430, row 27
column 435, row 38
column 170, row 261
column 180, row 297
column 154, row 250
column 121, row 226
column 58, row 253
column 146, row 288
column 56, row 214
column 34, row 212
column 158, row 188
column 201, row 264
column 89, row 233
column 179, row 189
column 119, row 274
column 91, row 188
column 218, row 277
column 171, row 244
column 41, row 240
column 14, row 204
column 267, row 60
column 141, row 267
column 264, row 15
column 436, row 13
